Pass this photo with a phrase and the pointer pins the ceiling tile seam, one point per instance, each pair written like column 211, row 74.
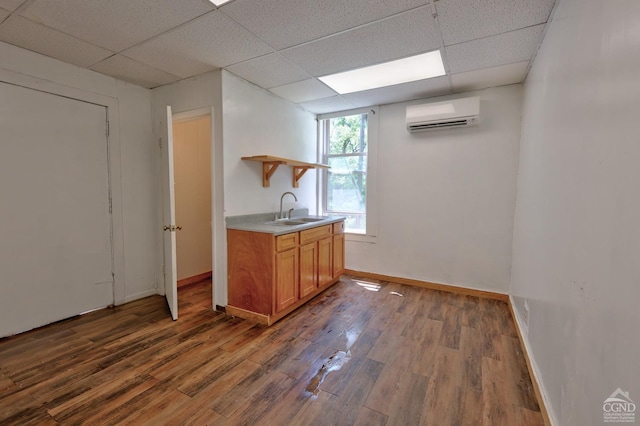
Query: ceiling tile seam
column 165, row 32
column 354, row 28
column 267, row 54
column 267, row 44
column 490, row 67
column 550, row 18
column 16, row 14
column 24, row 6
column 443, row 53
column 141, row 63
column 495, row 35
column 6, row 18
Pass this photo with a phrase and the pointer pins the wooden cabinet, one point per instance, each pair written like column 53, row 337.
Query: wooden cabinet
column 325, row 262
column 268, row 276
column 338, row 255
column 338, row 249
column 286, row 279
column 308, row 269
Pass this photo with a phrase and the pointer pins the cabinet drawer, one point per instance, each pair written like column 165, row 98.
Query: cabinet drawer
column 287, row 241
column 338, row 228
column 314, row 234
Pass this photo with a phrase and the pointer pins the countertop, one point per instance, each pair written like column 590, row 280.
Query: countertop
column 260, row 222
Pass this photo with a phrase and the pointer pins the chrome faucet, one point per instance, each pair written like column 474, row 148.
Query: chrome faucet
column 281, row 198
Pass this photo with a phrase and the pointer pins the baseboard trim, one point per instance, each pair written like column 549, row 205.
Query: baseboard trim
column 194, row 279
column 432, row 286
column 533, row 372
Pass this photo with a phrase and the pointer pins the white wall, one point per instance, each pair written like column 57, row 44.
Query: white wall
column 200, row 92
column 446, row 198
column 138, row 190
column 577, row 239
column 131, row 156
column 257, row 123
column 247, row 121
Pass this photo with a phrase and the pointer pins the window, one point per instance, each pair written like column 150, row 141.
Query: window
column 345, row 144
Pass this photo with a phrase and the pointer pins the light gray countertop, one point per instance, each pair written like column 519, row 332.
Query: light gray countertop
column 260, row 222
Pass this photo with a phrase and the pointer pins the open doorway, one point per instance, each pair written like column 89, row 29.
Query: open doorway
column 193, row 206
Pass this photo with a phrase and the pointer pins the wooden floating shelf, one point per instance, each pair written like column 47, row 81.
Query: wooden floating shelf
column 271, row 163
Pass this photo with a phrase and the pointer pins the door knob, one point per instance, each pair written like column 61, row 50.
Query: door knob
column 172, row 228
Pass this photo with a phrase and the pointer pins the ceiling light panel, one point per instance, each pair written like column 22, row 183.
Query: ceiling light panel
column 414, row 68
column 402, row 92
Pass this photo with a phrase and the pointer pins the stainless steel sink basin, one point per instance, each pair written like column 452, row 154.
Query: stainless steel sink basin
column 297, row 221
column 309, row 219
column 286, row 223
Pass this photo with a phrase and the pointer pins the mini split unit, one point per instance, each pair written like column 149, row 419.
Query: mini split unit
column 443, row 115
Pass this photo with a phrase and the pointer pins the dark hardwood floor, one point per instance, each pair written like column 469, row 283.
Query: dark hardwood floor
column 364, row 352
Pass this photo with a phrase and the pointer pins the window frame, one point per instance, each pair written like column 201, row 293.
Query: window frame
column 372, row 150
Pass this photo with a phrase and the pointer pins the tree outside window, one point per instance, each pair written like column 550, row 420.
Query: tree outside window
column 345, row 148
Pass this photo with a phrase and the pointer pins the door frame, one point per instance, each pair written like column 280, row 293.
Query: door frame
column 217, row 212
column 113, row 159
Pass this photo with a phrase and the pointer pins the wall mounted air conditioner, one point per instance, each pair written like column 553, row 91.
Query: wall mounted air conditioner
column 443, row 115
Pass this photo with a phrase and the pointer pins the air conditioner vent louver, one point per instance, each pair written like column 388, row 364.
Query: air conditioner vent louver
column 443, row 115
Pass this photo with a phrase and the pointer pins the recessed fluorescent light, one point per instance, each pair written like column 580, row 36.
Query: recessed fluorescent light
column 219, row 2
column 419, row 67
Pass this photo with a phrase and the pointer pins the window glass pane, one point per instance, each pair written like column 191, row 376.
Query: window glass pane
column 347, row 135
column 347, row 184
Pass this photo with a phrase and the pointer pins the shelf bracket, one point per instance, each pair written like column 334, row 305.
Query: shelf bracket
column 298, row 172
column 268, row 169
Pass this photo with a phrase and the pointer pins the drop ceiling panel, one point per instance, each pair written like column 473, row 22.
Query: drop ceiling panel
column 303, row 91
column 502, row 49
column 126, row 69
column 286, row 23
column 11, row 4
column 401, row 92
column 402, row 35
column 332, row 104
column 269, row 71
column 489, row 77
column 209, row 42
column 465, row 20
column 115, row 24
column 38, row 38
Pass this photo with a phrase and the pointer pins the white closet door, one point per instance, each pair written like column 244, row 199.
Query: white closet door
column 55, row 225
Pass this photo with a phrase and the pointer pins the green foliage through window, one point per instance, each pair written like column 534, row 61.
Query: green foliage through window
column 346, row 180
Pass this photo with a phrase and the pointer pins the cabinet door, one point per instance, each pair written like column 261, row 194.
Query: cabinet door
column 286, row 279
column 308, row 269
column 338, row 255
column 325, row 252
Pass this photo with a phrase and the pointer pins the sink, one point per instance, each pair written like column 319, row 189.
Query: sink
column 312, row 219
column 297, row 221
column 286, row 223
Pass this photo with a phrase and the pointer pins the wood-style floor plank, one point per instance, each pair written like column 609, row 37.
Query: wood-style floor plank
column 364, row 352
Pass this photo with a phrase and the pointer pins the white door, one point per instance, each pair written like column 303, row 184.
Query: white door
column 169, row 215
column 55, row 239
